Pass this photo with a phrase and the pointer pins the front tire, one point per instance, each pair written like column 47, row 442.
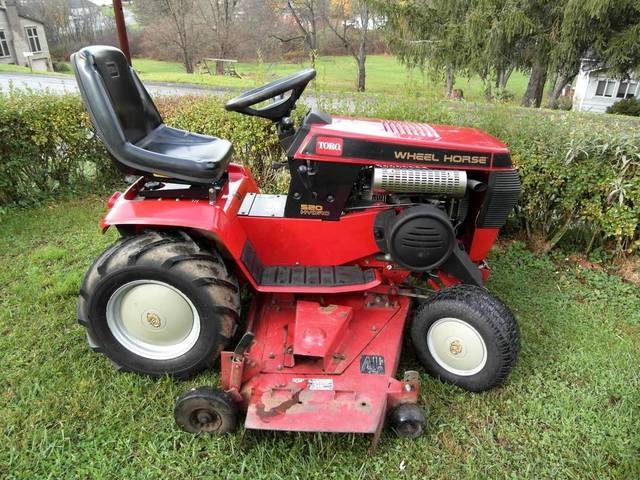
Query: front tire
column 465, row 336
column 206, row 410
column 155, row 303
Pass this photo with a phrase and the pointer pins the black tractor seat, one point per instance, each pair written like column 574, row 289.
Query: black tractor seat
column 132, row 129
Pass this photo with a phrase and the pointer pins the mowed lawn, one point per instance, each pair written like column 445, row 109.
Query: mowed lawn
column 385, row 75
column 571, row 409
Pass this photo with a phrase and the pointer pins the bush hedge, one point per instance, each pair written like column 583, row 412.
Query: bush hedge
column 580, row 172
column 627, row 106
column 46, row 147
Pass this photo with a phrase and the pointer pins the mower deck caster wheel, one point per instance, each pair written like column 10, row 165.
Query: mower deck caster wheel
column 407, row 420
column 206, row 410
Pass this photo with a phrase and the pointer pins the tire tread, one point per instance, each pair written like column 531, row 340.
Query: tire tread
column 167, row 250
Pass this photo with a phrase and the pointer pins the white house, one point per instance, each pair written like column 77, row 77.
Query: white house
column 85, row 15
column 596, row 89
column 22, row 39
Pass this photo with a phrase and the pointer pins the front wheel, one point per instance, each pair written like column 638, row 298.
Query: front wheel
column 466, row 336
column 206, row 410
column 156, row 303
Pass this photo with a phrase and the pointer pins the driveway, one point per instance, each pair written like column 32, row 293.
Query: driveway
column 62, row 84
column 67, row 84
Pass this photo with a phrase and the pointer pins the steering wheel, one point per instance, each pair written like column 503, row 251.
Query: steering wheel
column 280, row 107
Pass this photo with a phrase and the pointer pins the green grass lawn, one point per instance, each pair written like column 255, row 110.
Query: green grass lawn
column 10, row 68
column 385, row 75
column 570, row 409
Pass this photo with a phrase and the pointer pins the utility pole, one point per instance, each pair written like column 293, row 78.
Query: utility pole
column 122, row 29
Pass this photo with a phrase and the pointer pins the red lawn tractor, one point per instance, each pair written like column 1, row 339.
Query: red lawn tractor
column 373, row 207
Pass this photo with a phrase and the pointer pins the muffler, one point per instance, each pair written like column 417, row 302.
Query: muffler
column 451, row 183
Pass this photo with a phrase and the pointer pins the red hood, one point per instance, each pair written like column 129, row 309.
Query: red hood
column 411, row 133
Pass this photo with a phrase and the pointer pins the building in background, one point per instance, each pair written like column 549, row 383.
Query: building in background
column 22, row 39
column 596, row 88
column 86, row 17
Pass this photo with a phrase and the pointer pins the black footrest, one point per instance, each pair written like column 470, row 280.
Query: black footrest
column 298, row 276
column 315, row 276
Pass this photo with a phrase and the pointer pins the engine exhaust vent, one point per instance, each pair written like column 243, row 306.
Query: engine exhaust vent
column 451, row 183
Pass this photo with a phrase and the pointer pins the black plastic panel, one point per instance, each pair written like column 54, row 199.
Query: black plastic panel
column 502, row 195
column 392, row 153
column 299, row 276
column 319, row 190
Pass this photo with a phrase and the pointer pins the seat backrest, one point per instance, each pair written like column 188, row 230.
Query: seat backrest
column 120, row 107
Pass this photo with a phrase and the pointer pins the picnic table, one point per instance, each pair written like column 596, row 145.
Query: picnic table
column 220, row 66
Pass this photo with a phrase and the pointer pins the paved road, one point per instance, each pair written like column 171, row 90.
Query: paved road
column 67, row 84
column 62, row 84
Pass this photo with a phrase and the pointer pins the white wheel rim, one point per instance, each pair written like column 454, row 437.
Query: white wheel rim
column 456, row 346
column 153, row 319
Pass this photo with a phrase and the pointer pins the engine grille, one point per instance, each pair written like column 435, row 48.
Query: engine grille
column 420, row 180
column 502, row 195
column 410, row 129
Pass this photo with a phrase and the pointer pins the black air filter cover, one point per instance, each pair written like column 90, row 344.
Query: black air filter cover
column 420, row 238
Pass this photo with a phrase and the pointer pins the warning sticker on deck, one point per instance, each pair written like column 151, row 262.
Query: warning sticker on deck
column 372, row 364
column 316, row 383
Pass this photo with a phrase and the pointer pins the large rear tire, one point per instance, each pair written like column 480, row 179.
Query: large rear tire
column 465, row 336
column 155, row 303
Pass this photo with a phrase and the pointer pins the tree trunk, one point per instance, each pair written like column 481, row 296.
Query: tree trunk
column 503, row 77
column 561, row 81
column 312, row 57
column 486, row 82
column 186, row 59
column 361, row 73
column 535, row 87
column 362, row 47
column 449, row 78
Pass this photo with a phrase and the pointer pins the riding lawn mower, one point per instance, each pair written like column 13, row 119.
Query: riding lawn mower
column 384, row 221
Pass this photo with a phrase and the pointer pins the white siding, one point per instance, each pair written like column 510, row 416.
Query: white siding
column 585, row 98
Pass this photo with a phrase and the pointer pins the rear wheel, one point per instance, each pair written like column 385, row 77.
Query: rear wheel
column 155, row 303
column 466, row 336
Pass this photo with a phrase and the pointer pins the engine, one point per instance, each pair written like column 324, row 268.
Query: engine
column 421, row 233
column 441, row 193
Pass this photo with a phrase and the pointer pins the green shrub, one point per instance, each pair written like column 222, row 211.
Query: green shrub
column 627, row 106
column 47, row 147
column 580, row 171
column 61, row 67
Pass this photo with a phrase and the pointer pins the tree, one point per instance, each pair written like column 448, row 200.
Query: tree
column 607, row 33
column 220, row 18
column 490, row 38
column 428, row 34
column 351, row 20
column 68, row 28
column 174, row 24
column 308, row 15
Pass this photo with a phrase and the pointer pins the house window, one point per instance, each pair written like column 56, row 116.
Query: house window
column 627, row 89
column 34, row 41
column 4, row 46
column 605, row 88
